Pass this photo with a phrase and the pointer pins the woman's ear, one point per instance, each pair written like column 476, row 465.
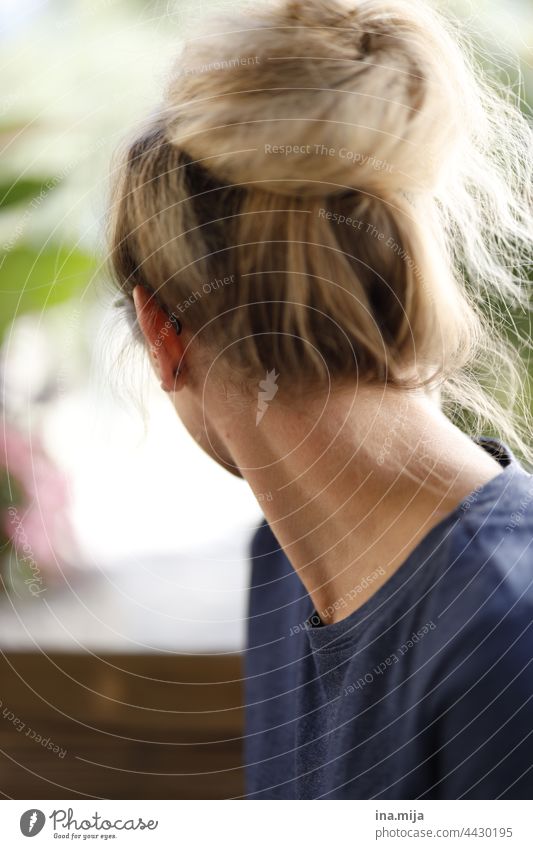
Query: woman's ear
column 164, row 345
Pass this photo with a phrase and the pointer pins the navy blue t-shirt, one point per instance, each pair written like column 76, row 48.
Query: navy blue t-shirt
column 423, row 692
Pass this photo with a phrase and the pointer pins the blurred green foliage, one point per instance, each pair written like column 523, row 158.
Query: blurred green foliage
column 13, row 193
column 32, row 279
column 36, row 276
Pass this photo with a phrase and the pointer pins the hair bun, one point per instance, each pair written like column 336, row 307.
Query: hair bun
column 319, row 97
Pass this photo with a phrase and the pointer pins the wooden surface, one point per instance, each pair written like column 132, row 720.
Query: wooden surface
column 123, row 726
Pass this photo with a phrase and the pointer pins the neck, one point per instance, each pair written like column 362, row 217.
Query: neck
column 354, row 483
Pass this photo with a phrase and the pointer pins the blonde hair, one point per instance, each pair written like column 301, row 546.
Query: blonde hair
column 333, row 188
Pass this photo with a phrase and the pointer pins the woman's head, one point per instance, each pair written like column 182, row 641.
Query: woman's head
column 328, row 191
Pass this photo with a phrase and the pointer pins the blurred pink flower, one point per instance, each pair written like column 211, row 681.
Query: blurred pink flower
column 38, row 526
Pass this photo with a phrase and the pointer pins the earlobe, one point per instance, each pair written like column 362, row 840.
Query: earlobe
column 171, row 388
